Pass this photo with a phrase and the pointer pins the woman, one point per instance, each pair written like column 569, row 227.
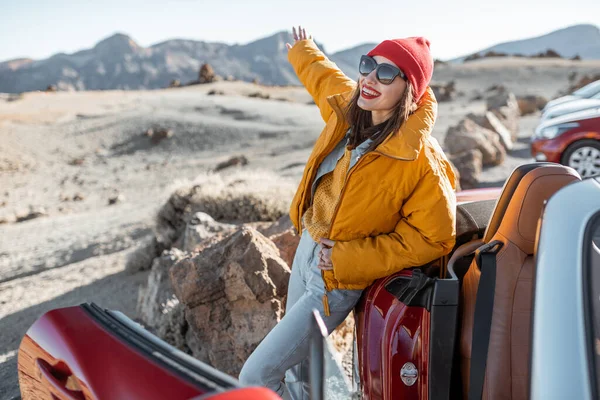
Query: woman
column 376, row 196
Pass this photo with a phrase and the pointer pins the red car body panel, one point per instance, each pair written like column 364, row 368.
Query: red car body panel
column 389, row 334
column 554, row 149
column 66, row 354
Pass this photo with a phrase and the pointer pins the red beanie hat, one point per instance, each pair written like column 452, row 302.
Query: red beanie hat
column 412, row 56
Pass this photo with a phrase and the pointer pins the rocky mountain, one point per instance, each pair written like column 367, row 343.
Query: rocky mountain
column 118, row 62
column 582, row 40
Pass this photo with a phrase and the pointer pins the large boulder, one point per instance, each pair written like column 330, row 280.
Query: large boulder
column 489, row 121
column 469, row 164
column 505, row 106
column 467, row 135
column 232, row 293
column 158, row 307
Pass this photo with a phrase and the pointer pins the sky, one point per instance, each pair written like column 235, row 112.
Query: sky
column 39, row 28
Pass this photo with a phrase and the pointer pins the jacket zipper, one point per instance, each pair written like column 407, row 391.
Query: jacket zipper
column 335, row 211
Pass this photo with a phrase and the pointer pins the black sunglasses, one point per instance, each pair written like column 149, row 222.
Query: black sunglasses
column 386, row 73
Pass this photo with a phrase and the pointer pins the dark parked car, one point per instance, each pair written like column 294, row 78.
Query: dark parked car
column 459, row 326
column 572, row 140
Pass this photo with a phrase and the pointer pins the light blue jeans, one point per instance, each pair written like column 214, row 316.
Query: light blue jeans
column 284, row 351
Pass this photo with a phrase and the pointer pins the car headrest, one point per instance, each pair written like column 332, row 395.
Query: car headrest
column 508, row 190
column 519, row 223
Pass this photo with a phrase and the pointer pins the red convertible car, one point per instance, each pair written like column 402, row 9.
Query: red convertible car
column 478, row 324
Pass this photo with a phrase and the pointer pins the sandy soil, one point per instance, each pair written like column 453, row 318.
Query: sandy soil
column 54, row 146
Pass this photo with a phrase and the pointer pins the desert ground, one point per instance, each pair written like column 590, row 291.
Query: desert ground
column 67, row 154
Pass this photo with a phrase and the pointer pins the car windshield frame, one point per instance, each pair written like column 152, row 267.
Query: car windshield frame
column 589, row 90
column 560, row 353
column 591, row 275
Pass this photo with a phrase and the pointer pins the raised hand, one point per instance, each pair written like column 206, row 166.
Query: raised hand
column 298, row 35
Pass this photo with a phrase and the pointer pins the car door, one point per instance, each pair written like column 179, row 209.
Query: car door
column 86, row 352
column 565, row 357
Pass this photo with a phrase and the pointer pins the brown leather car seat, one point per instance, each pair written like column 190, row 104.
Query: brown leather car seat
column 507, row 369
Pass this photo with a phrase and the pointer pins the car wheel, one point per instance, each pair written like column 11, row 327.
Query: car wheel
column 584, row 157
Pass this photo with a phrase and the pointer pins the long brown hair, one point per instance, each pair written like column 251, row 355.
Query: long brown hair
column 361, row 121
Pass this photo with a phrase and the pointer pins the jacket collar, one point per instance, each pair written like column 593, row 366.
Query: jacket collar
column 407, row 142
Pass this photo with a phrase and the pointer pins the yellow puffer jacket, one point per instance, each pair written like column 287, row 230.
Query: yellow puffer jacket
column 397, row 208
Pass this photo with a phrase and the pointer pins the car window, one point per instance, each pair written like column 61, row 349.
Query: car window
column 593, row 266
column 588, row 90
